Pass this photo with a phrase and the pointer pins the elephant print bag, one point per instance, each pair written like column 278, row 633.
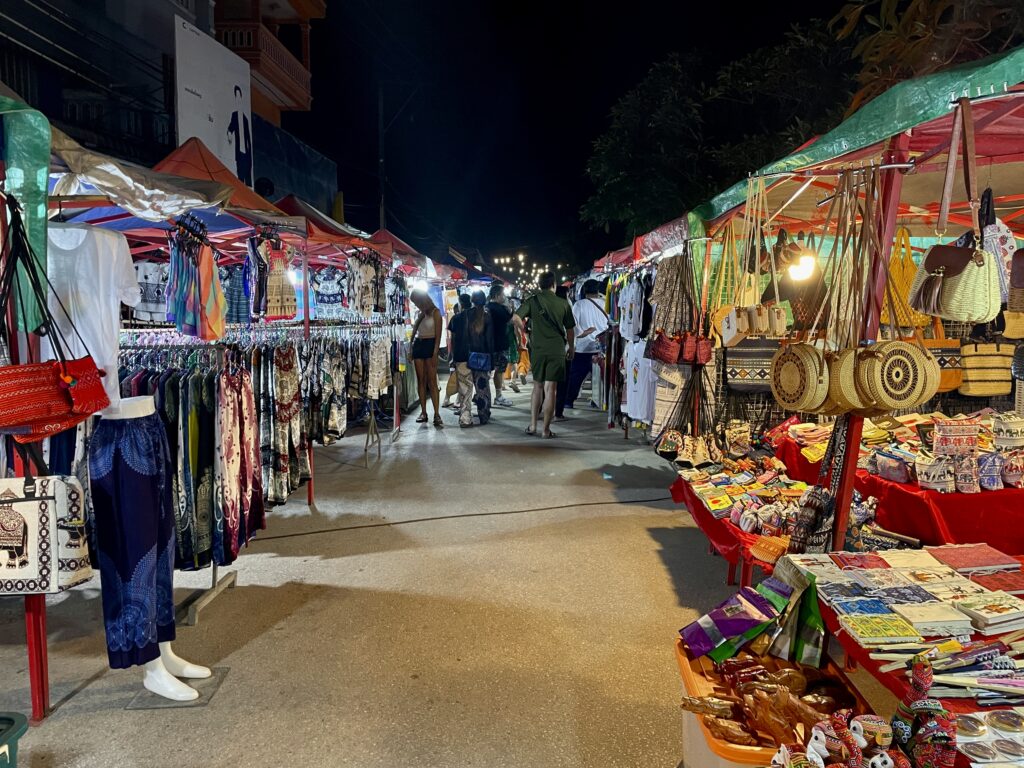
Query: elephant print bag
column 43, row 547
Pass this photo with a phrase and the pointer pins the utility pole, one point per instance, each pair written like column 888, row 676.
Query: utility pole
column 380, row 152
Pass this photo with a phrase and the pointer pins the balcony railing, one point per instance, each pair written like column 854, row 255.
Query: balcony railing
column 274, row 66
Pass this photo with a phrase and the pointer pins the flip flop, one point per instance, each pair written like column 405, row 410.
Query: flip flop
column 421, row 419
column 438, row 421
column 531, row 431
column 548, row 435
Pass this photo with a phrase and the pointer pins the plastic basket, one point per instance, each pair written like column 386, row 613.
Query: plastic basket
column 12, row 728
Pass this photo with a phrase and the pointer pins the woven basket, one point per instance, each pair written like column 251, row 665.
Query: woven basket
column 973, row 296
column 893, row 374
column 799, row 377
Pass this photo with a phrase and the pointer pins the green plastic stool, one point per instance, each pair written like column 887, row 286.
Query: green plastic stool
column 12, row 728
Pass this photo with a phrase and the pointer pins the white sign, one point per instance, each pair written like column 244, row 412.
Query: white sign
column 213, row 98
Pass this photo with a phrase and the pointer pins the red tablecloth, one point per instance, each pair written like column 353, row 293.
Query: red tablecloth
column 797, row 465
column 991, row 517
column 727, row 539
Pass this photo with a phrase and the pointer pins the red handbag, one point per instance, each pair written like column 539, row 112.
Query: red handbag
column 666, row 348
column 688, row 350
column 40, row 399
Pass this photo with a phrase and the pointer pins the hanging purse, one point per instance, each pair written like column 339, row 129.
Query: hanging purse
column 42, row 534
column 902, row 270
column 41, row 399
column 947, row 354
column 1015, row 302
column 953, row 282
column 986, row 369
column 665, row 349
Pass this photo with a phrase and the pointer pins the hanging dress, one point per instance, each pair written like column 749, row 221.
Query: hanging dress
column 281, row 300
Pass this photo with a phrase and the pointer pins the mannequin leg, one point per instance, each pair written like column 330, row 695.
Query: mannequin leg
column 178, row 667
column 158, row 680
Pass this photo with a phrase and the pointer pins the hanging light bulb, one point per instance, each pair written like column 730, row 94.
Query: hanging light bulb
column 803, row 269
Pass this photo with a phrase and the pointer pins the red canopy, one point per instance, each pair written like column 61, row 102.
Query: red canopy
column 194, row 160
column 612, row 259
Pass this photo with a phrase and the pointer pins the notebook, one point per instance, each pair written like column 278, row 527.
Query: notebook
column 862, row 605
column 909, row 558
column 880, row 630
column 841, row 591
column 911, row 594
column 974, row 558
column 879, row 578
column 936, row 619
column 992, row 608
column 862, row 560
column 1011, row 582
column 929, row 576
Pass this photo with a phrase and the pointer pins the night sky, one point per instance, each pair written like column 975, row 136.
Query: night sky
column 493, row 106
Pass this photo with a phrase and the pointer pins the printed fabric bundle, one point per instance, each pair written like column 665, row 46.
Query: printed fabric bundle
column 893, row 468
column 746, row 613
column 956, row 437
column 1013, row 470
column 936, row 473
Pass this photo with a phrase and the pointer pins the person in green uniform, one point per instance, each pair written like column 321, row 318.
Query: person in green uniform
column 551, row 345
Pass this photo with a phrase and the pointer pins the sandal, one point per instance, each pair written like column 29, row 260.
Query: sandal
column 421, row 419
column 549, row 434
column 531, row 430
column 438, row 421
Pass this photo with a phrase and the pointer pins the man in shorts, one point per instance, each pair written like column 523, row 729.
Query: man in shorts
column 551, row 345
column 501, row 316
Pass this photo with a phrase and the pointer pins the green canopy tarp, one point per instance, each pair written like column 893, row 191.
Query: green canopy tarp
column 26, row 161
column 904, row 106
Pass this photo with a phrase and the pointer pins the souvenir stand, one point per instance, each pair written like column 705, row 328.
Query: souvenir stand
column 892, row 171
column 85, row 179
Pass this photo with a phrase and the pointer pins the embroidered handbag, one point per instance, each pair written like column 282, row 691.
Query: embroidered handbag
column 947, row 354
column 986, row 369
column 990, row 471
column 42, row 526
column 1008, row 431
column 892, row 468
column 953, row 282
column 748, row 364
column 935, row 473
column 40, row 399
column 1013, row 469
column 956, row 437
column 966, row 477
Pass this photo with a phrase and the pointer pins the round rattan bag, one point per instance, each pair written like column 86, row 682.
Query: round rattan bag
column 842, row 381
column 799, row 377
column 894, row 374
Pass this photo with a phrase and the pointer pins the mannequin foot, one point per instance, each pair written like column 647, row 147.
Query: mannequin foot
column 178, row 667
column 158, row 680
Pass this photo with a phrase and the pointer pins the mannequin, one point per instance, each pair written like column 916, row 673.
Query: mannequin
column 160, row 674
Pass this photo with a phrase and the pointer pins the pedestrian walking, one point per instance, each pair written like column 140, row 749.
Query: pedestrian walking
column 426, row 343
column 481, row 356
column 501, row 316
column 591, row 324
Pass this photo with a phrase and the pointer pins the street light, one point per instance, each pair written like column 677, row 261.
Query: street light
column 522, row 257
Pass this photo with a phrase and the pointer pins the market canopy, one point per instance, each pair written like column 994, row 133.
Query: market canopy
column 923, row 109
column 144, row 193
column 320, row 227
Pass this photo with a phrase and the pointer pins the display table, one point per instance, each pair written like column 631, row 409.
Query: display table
column 797, row 465
column 725, row 538
column 990, row 517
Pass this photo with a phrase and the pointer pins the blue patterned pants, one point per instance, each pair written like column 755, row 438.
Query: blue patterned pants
column 130, row 470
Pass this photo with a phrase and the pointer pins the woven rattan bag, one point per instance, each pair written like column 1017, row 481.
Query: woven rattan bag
column 986, row 369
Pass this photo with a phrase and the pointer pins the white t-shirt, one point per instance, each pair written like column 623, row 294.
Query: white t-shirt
column 589, row 314
column 640, row 383
column 631, row 309
column 92, row 275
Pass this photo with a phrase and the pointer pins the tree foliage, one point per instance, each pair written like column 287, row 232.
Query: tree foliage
column 901, row 39
column 679, row 137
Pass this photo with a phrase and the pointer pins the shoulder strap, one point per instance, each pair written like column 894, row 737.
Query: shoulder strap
column 599, row 307
column 970, row 172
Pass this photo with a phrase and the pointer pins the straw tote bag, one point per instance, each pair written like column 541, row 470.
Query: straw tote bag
column 986, row 369
column 959, row 283
column 902, row 270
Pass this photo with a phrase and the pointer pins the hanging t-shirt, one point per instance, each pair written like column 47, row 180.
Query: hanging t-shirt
column 640, row 383
column 631, row 302
column 152, row 277
column 92, row 274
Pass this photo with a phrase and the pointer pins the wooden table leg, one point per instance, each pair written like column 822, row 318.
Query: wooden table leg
column 38, row 671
